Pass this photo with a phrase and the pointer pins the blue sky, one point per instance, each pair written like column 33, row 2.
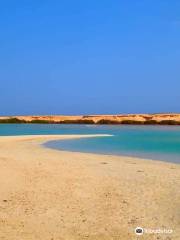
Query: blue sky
column 89, row 57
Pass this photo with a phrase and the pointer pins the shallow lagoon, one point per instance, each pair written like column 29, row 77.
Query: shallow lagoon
column 153, row 142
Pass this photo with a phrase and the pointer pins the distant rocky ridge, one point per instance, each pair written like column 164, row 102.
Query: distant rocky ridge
column 146, row 119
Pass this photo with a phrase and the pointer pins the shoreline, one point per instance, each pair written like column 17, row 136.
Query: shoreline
column 53, row 194
column 111, row 155
column 117, row 119
column 121, row 155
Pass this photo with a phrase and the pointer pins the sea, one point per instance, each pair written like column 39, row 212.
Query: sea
column 149, row 142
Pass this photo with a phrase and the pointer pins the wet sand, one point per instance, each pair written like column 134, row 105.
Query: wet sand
column 47, row 194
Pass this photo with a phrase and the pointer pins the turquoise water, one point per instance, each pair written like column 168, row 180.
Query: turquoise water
column 153, row 142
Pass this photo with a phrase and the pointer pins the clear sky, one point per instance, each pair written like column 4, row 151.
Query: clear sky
column 89, row 56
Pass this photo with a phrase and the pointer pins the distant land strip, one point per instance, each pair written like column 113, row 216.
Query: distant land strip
column 136, row 119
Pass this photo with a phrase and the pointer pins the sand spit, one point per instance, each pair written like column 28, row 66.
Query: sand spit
column 47, row 194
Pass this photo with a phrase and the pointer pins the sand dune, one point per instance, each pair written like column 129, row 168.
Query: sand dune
column 163, row 119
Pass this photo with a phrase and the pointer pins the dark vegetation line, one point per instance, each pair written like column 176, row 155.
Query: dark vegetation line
column 12, row 120
column 86, row 121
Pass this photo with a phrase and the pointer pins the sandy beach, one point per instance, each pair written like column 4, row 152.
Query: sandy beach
column 47, row 194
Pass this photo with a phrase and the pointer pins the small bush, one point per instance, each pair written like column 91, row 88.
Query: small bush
column 169, row 122
column 37, row 121
column 12, row 120
column 151, row 122
column 80, row 121
column 132, row 122
column 106, row 121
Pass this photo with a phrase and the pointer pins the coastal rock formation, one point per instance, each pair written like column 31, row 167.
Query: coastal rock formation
column 146, row 119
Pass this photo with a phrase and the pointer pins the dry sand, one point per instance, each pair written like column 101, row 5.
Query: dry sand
column 169, row 118
column 47, row 194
